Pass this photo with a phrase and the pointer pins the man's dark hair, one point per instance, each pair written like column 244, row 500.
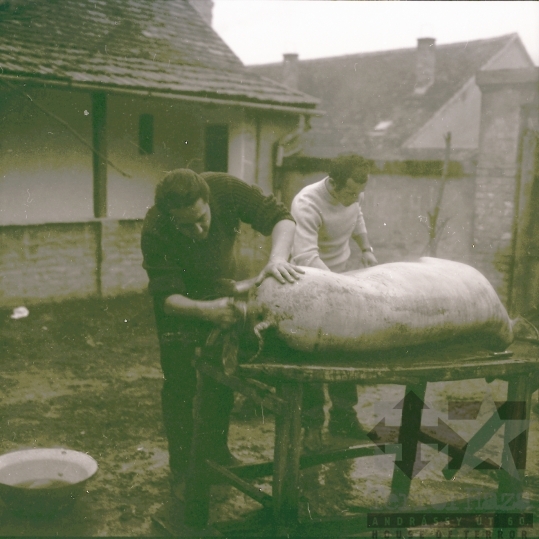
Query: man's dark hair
column 348, row 166
column 180, row 188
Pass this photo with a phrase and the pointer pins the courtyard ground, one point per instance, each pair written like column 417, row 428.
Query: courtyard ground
column 84, row 374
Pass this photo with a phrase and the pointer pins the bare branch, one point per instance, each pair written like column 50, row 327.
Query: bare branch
column 434, row 228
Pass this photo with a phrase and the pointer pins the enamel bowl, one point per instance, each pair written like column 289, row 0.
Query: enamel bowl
column 44, row 482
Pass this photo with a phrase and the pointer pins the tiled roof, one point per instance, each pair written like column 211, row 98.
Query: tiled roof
column 360, row 91
column 153, row 45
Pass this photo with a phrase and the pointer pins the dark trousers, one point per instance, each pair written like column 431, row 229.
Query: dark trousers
column 343, row 398
column 178, row 394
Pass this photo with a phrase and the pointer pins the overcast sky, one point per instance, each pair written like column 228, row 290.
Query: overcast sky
column 260, row 31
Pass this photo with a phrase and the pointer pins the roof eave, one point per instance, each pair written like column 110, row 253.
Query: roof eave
column 233, row 100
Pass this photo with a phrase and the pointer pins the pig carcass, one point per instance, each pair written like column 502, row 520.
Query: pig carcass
column 386, row 306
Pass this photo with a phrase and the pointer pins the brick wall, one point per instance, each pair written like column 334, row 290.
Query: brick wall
column 52, row 262
column 47, row 261
column 495, row 184
column 494, row 212
column 121, row 268
column 505, row 95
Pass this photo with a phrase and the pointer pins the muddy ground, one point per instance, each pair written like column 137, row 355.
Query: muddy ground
column 85, row 375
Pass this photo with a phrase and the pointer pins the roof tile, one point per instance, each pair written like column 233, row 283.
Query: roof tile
column 158, row 45
column 358, row 91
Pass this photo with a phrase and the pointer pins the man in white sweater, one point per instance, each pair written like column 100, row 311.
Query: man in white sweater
column 328, row 214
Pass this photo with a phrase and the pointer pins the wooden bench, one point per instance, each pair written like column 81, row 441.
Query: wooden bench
column 278, row 387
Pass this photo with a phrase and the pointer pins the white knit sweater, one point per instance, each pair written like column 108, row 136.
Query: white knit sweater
column 324, row 227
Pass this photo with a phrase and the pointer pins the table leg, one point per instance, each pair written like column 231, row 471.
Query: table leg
column 516, row 414
column 198, row 479
column 287, row 455
column 409, row 442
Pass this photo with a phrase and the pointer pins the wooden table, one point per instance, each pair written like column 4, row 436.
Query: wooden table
column 411, row 368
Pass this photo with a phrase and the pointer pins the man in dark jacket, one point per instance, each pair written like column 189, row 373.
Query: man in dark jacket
column 187, row 244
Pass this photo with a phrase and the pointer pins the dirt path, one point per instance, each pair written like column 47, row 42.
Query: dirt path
column 85, row 375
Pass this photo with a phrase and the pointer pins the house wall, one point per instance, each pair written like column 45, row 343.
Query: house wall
column 51, row 244
column 251, row 146
column 46, row 172
column 178, row 142
column 251, row 158
column 460, row 116
column 271, row 130
column 242, row 149
column 514, row 56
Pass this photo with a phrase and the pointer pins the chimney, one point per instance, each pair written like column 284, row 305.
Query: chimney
column 205, row 9
column 290, row 70
column 425, row 64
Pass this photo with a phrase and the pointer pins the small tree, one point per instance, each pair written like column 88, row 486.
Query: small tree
column 434, row 228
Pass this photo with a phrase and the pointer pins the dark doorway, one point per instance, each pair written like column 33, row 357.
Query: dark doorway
column 216, row 148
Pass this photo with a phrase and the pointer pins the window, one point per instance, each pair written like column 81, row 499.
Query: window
column 216, row 148
column 145, row 134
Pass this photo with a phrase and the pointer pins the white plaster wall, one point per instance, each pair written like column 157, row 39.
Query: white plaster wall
column 460, row 117
column 251, row 146
column 45, row 172
column 242, row 149
column 512, row 58
column 272, row 128
column 178, row 143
